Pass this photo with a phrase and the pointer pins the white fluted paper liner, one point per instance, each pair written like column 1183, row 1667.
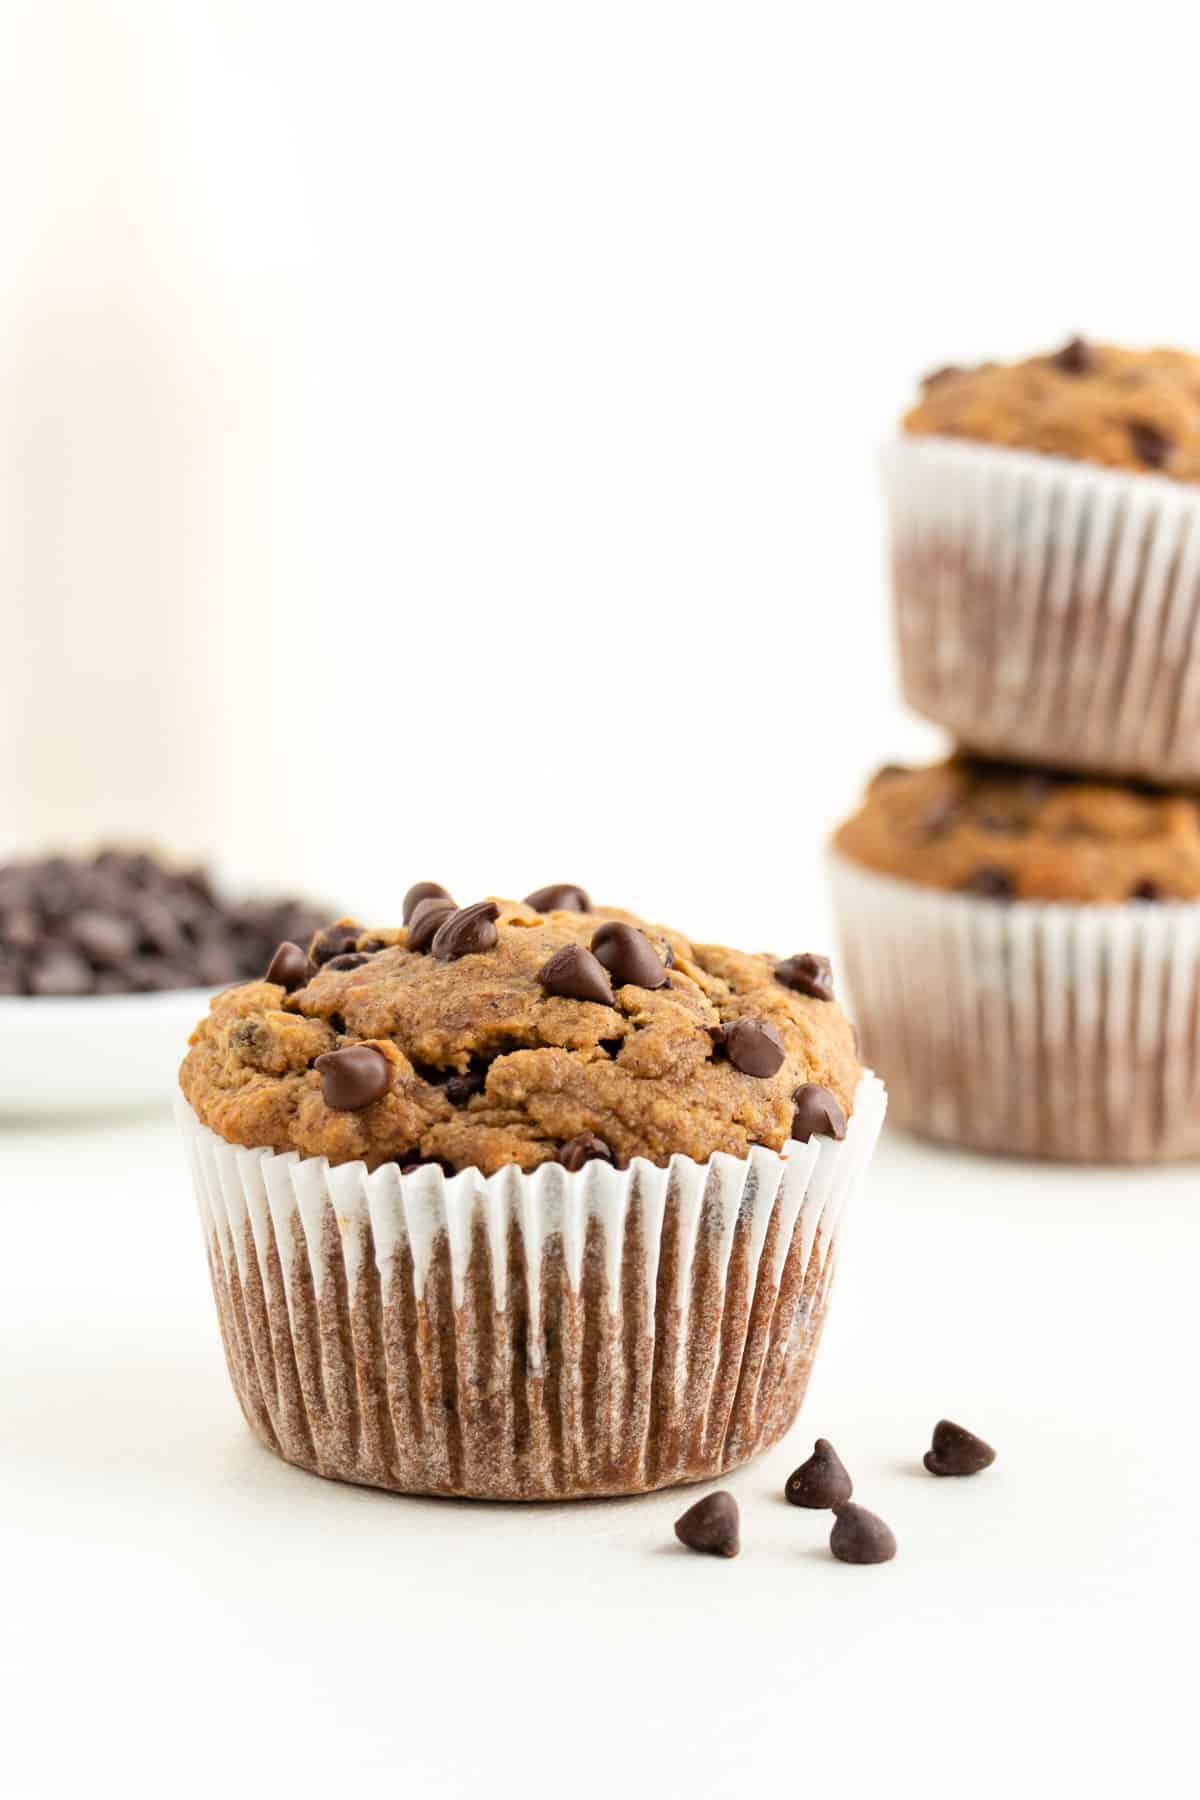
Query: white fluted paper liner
column 1027, row 1028
column 524, row 1337
column 1048, row 610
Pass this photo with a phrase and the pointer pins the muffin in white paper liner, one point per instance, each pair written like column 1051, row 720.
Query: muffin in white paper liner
column 1048, row 610
column 1044, row 1029
column 531, row 1337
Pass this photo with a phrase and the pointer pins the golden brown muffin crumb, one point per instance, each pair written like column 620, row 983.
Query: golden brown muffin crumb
column 485, row 1067
column 1129, row 409
column 1010, row 833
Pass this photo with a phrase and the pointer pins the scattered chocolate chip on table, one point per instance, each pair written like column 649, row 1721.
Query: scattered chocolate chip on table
column 822, row 1482
column 957, row 1451
column 711, row 1526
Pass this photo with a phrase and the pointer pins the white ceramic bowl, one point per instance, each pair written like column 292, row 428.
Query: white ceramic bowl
column 94, row 1054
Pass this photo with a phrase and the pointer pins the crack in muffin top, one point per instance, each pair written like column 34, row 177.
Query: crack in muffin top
column 519, row 1036
column 1009, row 833
column 1128, row 409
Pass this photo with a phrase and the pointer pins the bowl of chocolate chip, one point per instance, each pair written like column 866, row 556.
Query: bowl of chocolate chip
column 105, row 960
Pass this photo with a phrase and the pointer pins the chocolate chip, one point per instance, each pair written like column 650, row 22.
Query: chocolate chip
column 290, row 968
column 428, row 917
column 337, row 1024
column 1150, row 445
column 957, row 1451
column 755, row 1047
column 354, row 1077
column 335, row 940
column 585, row 1148
column 990, row 883
column 575, row 974
column 353, row 959
column 937, row 818
column 461, row 1088
column 859, row 1536
column 817, row 1114
column 467, row 932
column 1075, row 358
column 629, row 956
column 807, row 974
column 711, row 1526
column 408, row 1163
column 104, row 937
column 422, row 890
column 561, row 898
column 60, row 971
column 821, row 1482
column 1148, row 890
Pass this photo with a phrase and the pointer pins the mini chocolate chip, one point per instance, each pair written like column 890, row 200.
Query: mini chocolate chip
column 60, row 972
column 629, row 956
column 585, row 1148
column 337, row 1024
column 807, row 974
column 711, row 1526
column 428, row 917
column 859, row 1536
column 461, row 1088
column 564, row 897
column 354, row 1077
column 353, row 959
column 467, row 932
column 408, row 1163
column 755, row 1047
column 103, row 937
column 821, row 1482
column 1150, row 445
column 957, row 1451
column 817, row 1114
column 290, row 968
column 575, row 974
column 990, row 883
column 1148, row 890
column 1075, row 358
column 421, row 890
column 333, row 941
column 941, row 815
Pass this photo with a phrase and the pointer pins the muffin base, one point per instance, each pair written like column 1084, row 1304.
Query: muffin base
column 524, row 1338
column 1048, row 611
column 1069, row 1032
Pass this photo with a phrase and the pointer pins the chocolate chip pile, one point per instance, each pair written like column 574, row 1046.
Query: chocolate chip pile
column 124, row 922
column 712, row 1525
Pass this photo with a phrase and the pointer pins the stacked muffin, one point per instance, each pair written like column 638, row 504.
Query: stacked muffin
column 1020, row 923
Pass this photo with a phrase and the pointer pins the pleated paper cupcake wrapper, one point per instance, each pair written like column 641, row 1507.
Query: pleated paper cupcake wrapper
column 1045, row 1030
column 524, row 1337
column 1048, row 611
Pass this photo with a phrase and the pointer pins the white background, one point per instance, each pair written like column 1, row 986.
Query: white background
column 439, row 441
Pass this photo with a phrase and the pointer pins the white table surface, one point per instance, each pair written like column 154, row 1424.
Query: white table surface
column 184, row 1614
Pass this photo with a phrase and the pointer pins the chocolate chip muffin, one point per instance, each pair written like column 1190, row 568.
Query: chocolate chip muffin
column 497, row 1034
column 1023, row 953
column 1097, row 403
column 523, row 1198
column 1046, row 559
column 1008, row 833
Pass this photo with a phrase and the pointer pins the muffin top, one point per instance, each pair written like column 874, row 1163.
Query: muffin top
column 522, row 1032
column 1017, row 834
column 1131, row 409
